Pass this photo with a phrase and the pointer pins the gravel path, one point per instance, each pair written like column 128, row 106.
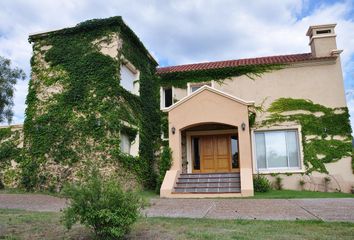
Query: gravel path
column 32, row 202
column 339, row 209
column 326, row 209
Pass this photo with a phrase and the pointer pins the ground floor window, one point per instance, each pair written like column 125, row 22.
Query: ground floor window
column 277, row 150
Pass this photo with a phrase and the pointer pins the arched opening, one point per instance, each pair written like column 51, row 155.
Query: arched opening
column 210, row 148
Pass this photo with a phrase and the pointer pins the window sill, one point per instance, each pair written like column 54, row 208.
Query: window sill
column 280, row 170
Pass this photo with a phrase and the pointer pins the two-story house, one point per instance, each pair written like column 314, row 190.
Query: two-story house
column 289, row 123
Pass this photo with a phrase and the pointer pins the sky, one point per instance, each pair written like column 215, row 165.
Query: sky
column 185, row 31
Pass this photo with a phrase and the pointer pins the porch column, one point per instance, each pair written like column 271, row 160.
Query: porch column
column 175, row 143
column 246, row 176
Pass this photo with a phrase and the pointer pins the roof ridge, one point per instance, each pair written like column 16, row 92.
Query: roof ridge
column 239, row 59
column 275, row 59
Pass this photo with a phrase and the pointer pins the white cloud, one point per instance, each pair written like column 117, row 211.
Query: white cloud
column 184, row 31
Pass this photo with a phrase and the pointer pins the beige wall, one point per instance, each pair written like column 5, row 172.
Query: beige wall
column 179, row 93
column 340, row 173
column 321, row 82
column 209, row 107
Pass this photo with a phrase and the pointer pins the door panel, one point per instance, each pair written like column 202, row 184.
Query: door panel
column 215, row 153
column 222, row 153
column 207, row 154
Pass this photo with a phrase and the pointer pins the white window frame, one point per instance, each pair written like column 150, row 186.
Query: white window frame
column 130, row 144
column 136, row 86
column 134, row 145
column 162, row 97
column 299, row 169
column 200, row 84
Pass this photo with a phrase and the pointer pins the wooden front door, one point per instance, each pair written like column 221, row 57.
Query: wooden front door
column 215, row 153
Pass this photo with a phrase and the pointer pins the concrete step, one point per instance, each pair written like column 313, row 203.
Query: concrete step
column 208, row 183
column 207, row 180
column 210, row 175
column 208, row 190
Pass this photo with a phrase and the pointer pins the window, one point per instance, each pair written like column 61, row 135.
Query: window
column 128, row 80
column 167, row 97
column 323, row 31
column 277, row 150
column 234, row 152
column 195, row 87
column 196, row 156
column 125, row 143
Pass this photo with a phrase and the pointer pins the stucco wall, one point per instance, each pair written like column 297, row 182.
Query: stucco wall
column 208, row 107
column 320, row 82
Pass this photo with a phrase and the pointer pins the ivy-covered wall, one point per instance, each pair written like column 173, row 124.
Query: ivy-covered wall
column 180, row 79
column 76, row 107
column 11, row 143
column 326, row 132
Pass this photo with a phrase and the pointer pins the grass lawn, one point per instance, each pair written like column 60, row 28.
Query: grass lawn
column 146, row 195
column 19, row 224
column 274, row 194
column 286, row 194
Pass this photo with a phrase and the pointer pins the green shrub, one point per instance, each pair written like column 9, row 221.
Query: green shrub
column 2, row 186
column 261, row 184
column 302, row 184
column 101, row 205
column 278, row 183
column 165, row 164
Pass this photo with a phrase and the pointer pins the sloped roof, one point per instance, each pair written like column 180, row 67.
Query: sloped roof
column 210, row 89
column 281, row 59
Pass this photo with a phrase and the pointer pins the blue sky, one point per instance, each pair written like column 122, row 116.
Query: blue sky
column 186, row 31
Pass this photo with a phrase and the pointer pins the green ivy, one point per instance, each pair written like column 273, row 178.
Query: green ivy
column 9, row 147
column 322, row 122
column 88, row 115
column 165, row 163
column 5, row 133
column 85, row 119
column 10, row 150
column 180, row 79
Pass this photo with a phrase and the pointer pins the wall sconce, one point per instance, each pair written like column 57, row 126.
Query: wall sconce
column 173, row 130
column 243, row 126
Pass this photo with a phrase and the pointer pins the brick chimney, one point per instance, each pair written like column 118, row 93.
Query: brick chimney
column 323, row 40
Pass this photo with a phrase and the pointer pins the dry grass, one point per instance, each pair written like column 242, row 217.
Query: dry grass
column 19, row 224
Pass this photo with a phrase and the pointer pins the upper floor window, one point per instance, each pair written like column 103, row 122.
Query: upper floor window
column 277, row 150
column 128, row 78
column 192, row 87
column 167, row 97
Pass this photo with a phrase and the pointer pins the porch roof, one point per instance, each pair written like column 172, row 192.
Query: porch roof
column 210, row 89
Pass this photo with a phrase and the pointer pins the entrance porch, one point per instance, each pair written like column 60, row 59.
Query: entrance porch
column 211, row 147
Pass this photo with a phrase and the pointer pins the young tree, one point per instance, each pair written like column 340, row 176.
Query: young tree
column 8, row 80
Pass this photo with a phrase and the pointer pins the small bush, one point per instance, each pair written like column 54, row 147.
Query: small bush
column 327, row 180
column 101, row 205
column 261, row 184
column 2, row 186
column 164, row 165
column 302, row 184
column 278, row 183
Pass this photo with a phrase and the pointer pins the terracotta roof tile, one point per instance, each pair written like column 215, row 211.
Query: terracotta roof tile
column 241, row 62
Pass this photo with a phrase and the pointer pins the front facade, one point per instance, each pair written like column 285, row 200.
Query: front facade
column 282, row 124
column 94, row 100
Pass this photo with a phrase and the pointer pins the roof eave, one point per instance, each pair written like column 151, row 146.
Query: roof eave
column 208, row 88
